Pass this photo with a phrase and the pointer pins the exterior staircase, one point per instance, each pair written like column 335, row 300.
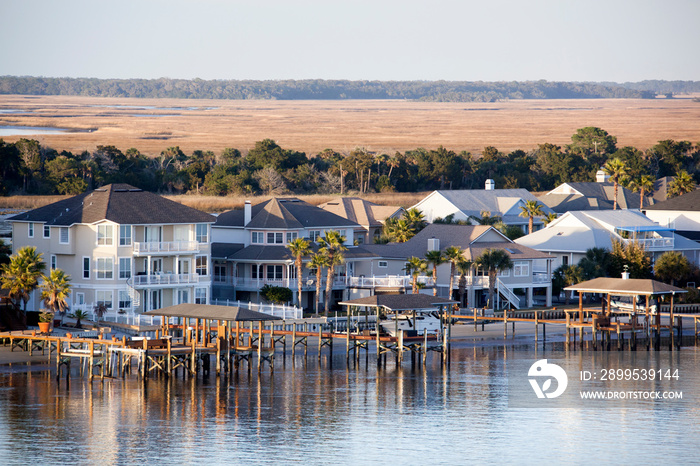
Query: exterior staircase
column 508, row 294
column 133, row 293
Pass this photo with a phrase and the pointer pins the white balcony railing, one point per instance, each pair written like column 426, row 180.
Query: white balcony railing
column 166, row 279
column 657, row 243
column 257, row 283
column 278, row 310
column 166, row 247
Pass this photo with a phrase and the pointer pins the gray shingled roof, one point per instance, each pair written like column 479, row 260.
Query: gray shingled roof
column 212, row 312
column 594, row 196
column 687, row 202
column 120, row 203
column 284, row 214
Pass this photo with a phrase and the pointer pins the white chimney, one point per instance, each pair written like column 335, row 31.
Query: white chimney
column 247, row 213
column 626, row 274
column 433, row 244
column 490, row 185
column 601, row 177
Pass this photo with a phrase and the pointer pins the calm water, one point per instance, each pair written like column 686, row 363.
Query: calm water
column 328, row 412
column 29, row 130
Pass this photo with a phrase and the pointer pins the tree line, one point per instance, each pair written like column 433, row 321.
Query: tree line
column 319, row 89
column 27, row 167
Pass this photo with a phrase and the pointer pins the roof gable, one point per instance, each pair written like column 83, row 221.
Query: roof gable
column 686, row 202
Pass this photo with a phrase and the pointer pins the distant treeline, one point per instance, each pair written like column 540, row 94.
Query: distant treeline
column 318, row 89
column 27, row 167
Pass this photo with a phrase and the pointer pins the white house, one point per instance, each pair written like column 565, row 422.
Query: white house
column 569, row 237
column 463, row 204
column 681, row 213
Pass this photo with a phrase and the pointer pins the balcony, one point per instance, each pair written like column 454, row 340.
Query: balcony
column 656, row 243
column 166, row 248
column 165, row 280
column 253, row 284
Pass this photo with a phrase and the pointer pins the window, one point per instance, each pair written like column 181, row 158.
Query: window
column 63, row 237
column 47, row 231
column 124, row 235
column 105, row 268
column 200, row 296
column 104, row 298
column 521, row 269
column 183, row 296
column 104, row 235
column 124, row 300
column 314, row 234
column 504, row 273
column 256, row 271
column 274, row 272
column 86, row 267
column 202, row 233
column 274, row 238
column 257, row 237
column 30, row 232
column 360, row 239
column 383, row 264
column 564, row 260
column 53, row 262
column 201, row 265
column 291, row 236
column 80, row 298
column 125, row 267
column 219, row 271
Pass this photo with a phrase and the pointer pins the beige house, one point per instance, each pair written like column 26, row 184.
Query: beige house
column 124, row 248
column 369, row 216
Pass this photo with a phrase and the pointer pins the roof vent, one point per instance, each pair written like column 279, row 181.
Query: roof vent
column 490, row 185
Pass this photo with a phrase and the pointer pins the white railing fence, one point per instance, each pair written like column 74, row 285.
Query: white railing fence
column 278, row 310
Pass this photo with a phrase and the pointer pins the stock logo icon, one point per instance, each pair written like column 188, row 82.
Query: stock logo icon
column 542, row 370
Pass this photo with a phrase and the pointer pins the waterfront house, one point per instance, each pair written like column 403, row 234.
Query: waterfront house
column 681, row 213
column 469, row 204
column 568, row 237
column 249, row 249
column 383, row 268
column 370, row 216
column 126, row 249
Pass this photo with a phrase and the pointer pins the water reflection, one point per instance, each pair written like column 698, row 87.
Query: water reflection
column 330, row 411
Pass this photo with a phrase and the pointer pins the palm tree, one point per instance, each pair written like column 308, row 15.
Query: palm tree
column 644, row 184
column 21, row 276
column 435, row 258
column 398, row 231
column 299, row 248
column 549, row 218
column 55, row 290
column 333, row 246
column 415, row 266
column 531, row 209
column 494, row 261
column 573, row 274
column 415, row 219
column 486, row 218
column 453, row 254
column 318, row 261
column 463, row 266
column 617, row 170
column 683, row 183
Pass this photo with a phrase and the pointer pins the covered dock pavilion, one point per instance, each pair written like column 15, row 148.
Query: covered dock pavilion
column 624, row 287
column 404, row 304
column 196, row 324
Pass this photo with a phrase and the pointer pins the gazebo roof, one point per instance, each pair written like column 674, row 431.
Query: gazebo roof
column 400, row 302
column 627, row 287
column 211, row 312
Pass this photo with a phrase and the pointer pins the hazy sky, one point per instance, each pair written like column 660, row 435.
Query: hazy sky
column 489, row 40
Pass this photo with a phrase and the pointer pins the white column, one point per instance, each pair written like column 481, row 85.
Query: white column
column 529, row 297
column 176, row 265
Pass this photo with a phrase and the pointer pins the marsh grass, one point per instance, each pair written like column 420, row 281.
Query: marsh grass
column 217, row 204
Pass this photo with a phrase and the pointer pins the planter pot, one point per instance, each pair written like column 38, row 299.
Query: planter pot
column 44, row 327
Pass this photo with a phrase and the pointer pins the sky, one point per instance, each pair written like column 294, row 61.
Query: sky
column 455, row 40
